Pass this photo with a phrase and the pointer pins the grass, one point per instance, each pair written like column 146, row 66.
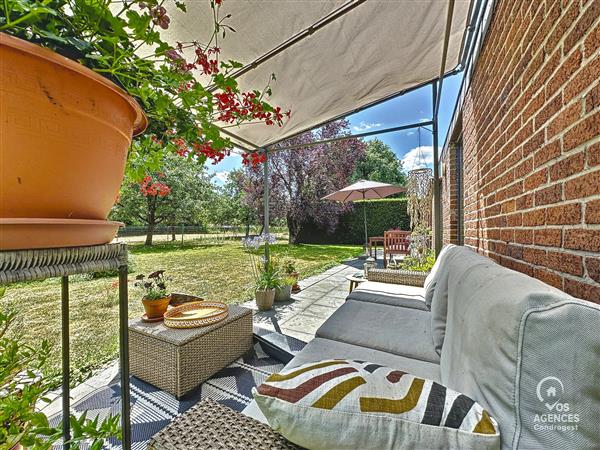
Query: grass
column 213, row 271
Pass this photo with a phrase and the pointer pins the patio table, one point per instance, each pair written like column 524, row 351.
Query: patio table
column 373, row 241
column 179, row 360
column 355, row 279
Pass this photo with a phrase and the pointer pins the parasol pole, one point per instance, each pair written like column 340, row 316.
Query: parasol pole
column 365, row 219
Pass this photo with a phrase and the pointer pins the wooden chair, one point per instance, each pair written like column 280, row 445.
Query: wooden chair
column 395, row 242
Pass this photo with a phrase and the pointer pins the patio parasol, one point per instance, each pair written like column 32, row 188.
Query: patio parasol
column 364, row 190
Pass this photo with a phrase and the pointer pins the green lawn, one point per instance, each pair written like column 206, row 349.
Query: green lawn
column 213, row 271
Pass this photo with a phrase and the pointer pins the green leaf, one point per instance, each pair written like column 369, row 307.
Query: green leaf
column 181, row 6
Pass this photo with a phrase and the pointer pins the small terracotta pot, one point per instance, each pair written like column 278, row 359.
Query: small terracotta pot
column 17, row 447
column 283, row 293
column 265, row 299
column 156, row 308
column 295, row 276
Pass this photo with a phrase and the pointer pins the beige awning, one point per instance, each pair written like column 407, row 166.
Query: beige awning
column 371, row 50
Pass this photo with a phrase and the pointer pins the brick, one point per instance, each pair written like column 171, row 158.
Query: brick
column 582, row 132
column 567, row 167
column 583, row 186
column 582, row 26
column 564, row 214
column 586, row 76
column 585, row 291
column 535, row 217
column 514, row 220
column 592, row 265
column 524, row 201
column 583, row 239
column 548, row 277
column 546, row 196
column 593, row 154
column 534, row 256
column 535, row 180
column 551, row 108
column 592, row 212
column 523, row 236
column 592, row 99
column 564, row 120
column 565, row 262
column 549, row 237
column 546, row 153
column 592, row 41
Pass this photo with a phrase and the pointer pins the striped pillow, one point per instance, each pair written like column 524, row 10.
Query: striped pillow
column 356, row 404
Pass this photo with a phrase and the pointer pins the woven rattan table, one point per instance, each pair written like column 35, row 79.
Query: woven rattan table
column 178, row 360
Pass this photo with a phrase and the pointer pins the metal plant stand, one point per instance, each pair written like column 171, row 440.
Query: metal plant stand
column 28, row 265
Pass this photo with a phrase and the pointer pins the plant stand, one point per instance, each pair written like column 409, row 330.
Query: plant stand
column 29, row 265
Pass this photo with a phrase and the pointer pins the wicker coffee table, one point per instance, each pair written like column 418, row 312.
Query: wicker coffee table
column 178, row 360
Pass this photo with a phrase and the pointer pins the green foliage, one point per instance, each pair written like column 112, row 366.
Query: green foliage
column 379, row 164
column 382, row 215
column 267, row 276
column 23, row 385
column 419, row 264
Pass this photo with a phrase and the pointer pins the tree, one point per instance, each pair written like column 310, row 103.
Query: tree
column 379, row 164
column 300, row 178
column 177, row 195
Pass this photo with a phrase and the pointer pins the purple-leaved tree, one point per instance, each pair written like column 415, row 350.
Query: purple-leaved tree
column 300, row 178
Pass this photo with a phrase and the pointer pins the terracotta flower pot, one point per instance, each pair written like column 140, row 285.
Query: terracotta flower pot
column 156, row 308
column 64, row 135
column 283, row 293
column 265, row 299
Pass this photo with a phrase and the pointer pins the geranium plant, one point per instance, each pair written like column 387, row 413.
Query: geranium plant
column 121, row 40
column 154, row 285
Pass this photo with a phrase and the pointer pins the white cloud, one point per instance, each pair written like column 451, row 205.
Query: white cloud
column 424, row 119
column 221, row 177
column 418, row 157
column 410, row 133
column 364, row 126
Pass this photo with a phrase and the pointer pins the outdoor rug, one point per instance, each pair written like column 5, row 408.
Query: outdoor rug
column 152, row 409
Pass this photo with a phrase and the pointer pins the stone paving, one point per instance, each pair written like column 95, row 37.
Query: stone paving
column 320, row 296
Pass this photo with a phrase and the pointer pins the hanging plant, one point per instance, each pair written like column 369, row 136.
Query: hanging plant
column 420, row 195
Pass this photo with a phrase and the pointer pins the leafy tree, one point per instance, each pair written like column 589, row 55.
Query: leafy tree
column 179, row 194
column 300, row 178
column 379, row 164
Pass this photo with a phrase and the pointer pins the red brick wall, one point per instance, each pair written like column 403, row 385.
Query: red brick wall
column 449, row 193
column 531, row 136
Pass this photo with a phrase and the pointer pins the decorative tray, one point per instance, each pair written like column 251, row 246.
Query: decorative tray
column 196, row 314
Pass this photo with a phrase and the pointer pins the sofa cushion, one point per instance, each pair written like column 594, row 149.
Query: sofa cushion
column 401, row 331
column 432, row 279
column 389, row 294
column 375, row 406
column 457, row 262
column 318, row 349
column 527, row 352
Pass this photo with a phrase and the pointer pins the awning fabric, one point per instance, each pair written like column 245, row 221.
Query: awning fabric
column 376, row 50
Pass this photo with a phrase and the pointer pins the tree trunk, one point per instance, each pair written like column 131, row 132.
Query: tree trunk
column 151, row 220
column 173, row 237
column 294, row 229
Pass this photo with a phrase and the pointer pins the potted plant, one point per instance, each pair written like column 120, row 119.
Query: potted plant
column 266, row 281
column 73, row 76
column 23, row 386
column 289, row 268
column 155, row 299
column 283, row 292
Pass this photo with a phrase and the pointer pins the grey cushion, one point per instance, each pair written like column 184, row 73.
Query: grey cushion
column 401, row 331
column 390, row 294
column 457, row 262
column 434, row 275
column 319, row 349
column 510, row 338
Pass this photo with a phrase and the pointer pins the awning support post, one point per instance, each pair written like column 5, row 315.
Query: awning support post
column 437, row 201
column 266, row 203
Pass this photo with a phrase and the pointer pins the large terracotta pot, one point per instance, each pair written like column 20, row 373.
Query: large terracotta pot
column 64, row 135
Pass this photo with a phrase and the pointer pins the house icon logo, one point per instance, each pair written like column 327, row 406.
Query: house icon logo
column 549, row 391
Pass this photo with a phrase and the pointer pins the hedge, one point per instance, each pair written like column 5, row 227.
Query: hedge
column 382, row 215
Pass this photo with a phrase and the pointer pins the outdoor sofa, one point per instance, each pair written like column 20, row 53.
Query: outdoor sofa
column 525, row 351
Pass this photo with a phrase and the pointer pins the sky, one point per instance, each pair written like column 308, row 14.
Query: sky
column 413, row 107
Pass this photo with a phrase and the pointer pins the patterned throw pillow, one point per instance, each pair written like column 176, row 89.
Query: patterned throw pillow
column 336, row 404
